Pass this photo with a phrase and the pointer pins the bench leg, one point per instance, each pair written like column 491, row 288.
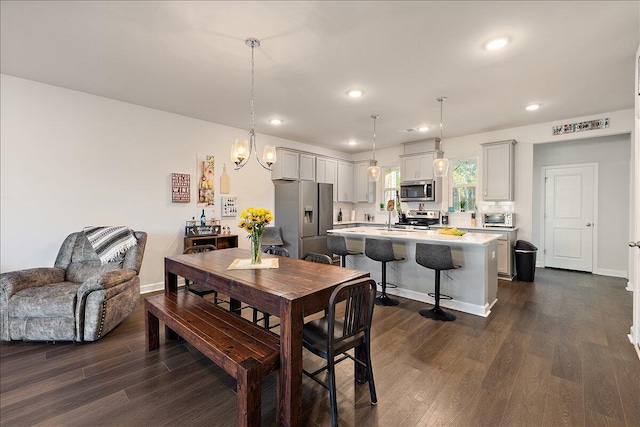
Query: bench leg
column 249, row 381
column 152, row 331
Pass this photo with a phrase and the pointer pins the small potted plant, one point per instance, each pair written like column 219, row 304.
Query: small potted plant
column 463, row 205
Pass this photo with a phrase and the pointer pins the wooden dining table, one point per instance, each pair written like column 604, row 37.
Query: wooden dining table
column 292, row 291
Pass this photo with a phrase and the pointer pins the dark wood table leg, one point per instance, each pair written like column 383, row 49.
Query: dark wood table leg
column 170, row 286
column 290, row 381
column 152, row 330
column 234, row 305
column 360, row 372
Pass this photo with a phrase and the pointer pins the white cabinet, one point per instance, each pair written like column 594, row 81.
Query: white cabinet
column 326, row 172
column 286, row 167
column 363, row 189
column 497, row 170
column 345, row 182
column 416, row 167
column 503, row 256
column 293, row 166
column 307, row 167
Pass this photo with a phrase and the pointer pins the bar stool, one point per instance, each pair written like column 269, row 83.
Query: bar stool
column 338, row 245
column 438, row 258
column 382, row 250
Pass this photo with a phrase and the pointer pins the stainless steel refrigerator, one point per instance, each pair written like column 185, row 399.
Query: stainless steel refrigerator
column 304, row 212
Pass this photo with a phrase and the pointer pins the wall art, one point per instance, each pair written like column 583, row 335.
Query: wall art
column 205, row 183
column 581, row 126
column 180, row 191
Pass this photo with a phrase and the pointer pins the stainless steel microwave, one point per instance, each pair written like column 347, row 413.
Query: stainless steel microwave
column 418, row 191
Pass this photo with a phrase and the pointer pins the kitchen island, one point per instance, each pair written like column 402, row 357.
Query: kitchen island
column 473, row 287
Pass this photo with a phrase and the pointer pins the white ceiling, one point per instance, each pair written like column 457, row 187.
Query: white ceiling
column 190, row 58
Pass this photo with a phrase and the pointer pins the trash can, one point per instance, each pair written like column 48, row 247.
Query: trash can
column 525, row 260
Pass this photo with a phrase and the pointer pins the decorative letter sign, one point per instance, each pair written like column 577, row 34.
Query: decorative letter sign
column 180, row 191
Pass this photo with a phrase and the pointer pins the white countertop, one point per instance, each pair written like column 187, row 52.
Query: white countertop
column 354, row 223
column 477, row 227
column 418, row 235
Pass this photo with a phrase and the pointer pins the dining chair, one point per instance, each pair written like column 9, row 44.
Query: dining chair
column 342, row 329
column 196, row 288
column 276, row 250
column 319, row 258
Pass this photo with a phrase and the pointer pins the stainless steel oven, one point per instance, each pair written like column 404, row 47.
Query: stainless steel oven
column 501, row 219
column 418, row 191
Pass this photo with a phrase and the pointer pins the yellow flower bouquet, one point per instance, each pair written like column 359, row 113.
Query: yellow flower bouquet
column 253, row 221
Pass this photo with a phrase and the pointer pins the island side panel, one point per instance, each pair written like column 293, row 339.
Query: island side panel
column 473, row 287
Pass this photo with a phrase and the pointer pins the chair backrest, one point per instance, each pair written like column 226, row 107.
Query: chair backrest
column 337, row 244
column 272, row 236
column 436, row 257
column 80, row 260
column 319, row 258
column 276, row 250
column 199, row 248
column 379, row 249
column 355, row 323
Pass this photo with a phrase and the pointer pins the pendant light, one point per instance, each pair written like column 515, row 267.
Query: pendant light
column 441, row 164
column 242, row 149
column 374, row 171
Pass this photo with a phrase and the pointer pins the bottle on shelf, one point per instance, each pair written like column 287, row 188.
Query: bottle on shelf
column 473, row 219
column 340, row 215
column 203, row 219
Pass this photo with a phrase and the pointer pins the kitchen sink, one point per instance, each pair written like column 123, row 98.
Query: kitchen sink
column 397, row 230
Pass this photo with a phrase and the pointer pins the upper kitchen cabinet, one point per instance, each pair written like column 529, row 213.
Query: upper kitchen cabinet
column 416, row 167
column 345, row 182
column 363, row 189
column 497, row 170
column 326, row 172
column 293, row 166
column 307, row 167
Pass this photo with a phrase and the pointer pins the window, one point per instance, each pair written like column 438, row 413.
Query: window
column 464, row 178
column 391, row 184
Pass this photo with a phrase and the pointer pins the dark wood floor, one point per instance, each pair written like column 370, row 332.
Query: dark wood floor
column 552, row 353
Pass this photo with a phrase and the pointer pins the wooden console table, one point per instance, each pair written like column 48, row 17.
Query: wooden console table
column 220, row 241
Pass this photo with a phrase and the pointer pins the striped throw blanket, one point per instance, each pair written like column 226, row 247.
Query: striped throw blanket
column 110, row 242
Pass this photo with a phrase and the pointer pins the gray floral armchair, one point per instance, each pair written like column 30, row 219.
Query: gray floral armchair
column 79, row 299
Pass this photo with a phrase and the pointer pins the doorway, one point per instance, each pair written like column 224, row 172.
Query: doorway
column 570, row 213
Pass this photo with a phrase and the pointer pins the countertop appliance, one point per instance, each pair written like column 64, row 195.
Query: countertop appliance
column 418, row 191
column 499, row 219
column 419, row 220
column 304, row 212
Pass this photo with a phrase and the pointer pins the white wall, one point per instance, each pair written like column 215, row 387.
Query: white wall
column 612, row 155
column 69, row 159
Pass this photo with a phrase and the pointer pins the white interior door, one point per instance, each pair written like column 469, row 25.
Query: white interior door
column 569, row 217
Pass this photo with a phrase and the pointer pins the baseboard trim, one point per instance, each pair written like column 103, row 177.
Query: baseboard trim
column 154, row 287
column 465, row 307
column 611, row 273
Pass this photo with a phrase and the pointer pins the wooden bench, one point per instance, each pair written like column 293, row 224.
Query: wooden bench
column 244, row 350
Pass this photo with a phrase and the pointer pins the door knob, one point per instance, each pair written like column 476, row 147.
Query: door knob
column 634, row 244
column 588, row 224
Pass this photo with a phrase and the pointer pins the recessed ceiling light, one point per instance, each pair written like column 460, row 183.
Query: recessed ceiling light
column 497, row 43
column 276, row 121
column 355, row 93
column 532, row 107
column 352, row 142
column 423, row 128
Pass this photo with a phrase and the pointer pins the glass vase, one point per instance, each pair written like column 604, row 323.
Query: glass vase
column 256, row 243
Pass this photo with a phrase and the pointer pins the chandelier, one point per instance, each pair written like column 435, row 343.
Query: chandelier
column 242, row 149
